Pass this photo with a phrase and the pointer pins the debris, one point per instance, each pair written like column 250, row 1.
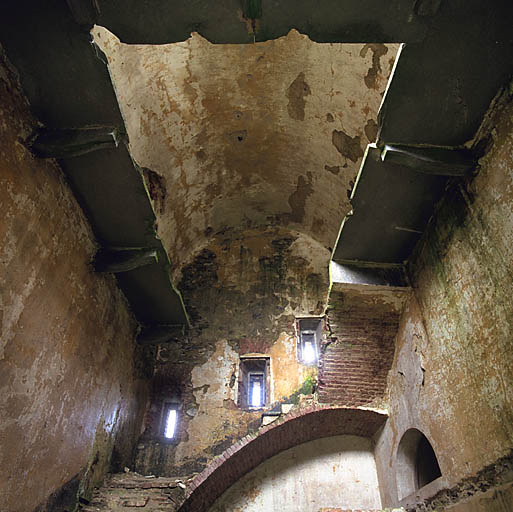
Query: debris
column 140, row 502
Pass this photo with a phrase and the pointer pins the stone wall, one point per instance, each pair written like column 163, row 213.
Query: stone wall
column 243, row 297
column 71, row 398
column 453, row 366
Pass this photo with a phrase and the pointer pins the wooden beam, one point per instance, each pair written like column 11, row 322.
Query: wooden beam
column 124, row 260
column 50, row 143
column 431, row 159
column 160, row 333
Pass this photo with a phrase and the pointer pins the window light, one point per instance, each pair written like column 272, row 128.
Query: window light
column 309, row 355
column 256, row 389
column 254, row 380
column 309, row 338
column 169, row 431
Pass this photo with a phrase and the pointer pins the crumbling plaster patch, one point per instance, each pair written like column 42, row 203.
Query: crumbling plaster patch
column 211, row 388
column 251, row 284
column 242, row 133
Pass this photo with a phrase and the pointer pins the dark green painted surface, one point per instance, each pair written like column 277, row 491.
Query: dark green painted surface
column 111, row 192
column 442, row 87
column 68, row 85
column 149, row 292
column 349, row 273
column 221, row 21
column 387, row 197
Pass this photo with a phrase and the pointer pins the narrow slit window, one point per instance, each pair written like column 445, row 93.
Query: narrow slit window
column 256, row 390
column 170, row 424
column 254, row 382
column 309, row 352
column 310, row 332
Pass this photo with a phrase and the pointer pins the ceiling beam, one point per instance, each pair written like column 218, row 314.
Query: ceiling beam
column 124, row 260
column 51, row 143
column 357, row 273
column 434, row 160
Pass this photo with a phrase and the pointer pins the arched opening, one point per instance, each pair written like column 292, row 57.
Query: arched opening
column 295, row 429
column 331, row 473
column 416, row 463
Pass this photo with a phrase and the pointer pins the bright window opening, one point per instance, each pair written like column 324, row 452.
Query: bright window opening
column 256, row 389
column 309, row 355
column 309, row 336
column 254, row 382
column 170, row 428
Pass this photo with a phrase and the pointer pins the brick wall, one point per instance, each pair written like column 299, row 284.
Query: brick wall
column 356, row 359
column 296, row 428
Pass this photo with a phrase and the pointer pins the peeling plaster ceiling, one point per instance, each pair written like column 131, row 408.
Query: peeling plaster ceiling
column 240, row 138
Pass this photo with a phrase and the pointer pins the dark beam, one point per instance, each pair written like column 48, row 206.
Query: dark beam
column 124, row 260
column 432, row 160
column 368, row 274
column 50, row 143
column 252, row 9
column 154, row 334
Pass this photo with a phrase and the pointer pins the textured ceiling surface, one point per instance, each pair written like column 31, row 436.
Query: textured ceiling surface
column 238, row 138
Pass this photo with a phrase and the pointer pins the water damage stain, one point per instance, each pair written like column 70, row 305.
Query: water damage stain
column 334, row 169
column 347, row 146
column 156, row 186
column 371, row 130
column 298, row 198
column 296, row 94
column 378, row 51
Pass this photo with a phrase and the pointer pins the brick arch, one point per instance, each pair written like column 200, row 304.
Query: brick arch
column 295, row 428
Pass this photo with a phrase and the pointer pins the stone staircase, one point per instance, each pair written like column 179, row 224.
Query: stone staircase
column 124, row 492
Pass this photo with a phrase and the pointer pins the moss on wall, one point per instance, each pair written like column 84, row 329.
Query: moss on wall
column 453, row 370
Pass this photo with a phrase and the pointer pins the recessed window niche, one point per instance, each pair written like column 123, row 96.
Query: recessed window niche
column 254, row 388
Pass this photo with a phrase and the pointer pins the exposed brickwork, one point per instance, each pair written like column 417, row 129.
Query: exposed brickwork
column 355, row 364
column 296, row 428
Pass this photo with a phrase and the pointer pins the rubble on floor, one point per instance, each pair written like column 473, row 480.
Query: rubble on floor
column 125, row 491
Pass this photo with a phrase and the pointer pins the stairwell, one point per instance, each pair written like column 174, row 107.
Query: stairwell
column 123, row 492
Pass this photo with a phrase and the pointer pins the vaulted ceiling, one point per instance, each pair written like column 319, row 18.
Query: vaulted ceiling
column 238, row 138
column 248, row 123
